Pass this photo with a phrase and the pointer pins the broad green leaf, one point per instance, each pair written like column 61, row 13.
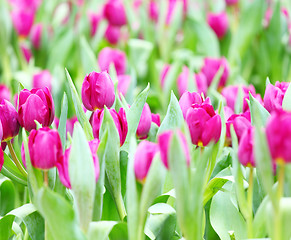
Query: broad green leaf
column 259, row 223
column 259, row 114
column 5, row 227
column 119, row 232
column 80, row 165
column 88, row 59
column 79, row 109
column 7, row 196
column 100, row 230
column 286, row 105
column 63, row 121
column 61, row 226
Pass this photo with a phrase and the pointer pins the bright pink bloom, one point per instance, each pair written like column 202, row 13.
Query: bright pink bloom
column 26, row 52
column 153, row 11
column 219, row 23
column 35, row 35
column 1, row 158
column 114, row 12
column 94, row 19
column 156, row 119
column 246, row 148
column 4, row 93
column 112, row 34
column 22, row 21
column 42, row 79
column 145, row 121
column 123, row 84
column 231, row 2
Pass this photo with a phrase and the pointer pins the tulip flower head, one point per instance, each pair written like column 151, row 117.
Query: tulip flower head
column 35, row 35
column 4, row 93
column 22, row 21
column 1, row 158
column 156, row 119
column 231, row 2
column 246, row 148
column 123, row 84
column 144, row 124
column 114, row 12
column 94, row 20
column 42, row 79
column 219, row 23
column 112, row 34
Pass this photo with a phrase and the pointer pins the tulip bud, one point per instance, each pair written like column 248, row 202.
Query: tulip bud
column 112, row 34
column 42, row 79
column 156, row 119
column 278, row 132
column 36, row 104
column 45, row 148
column 123, row 84
column 118, row 118
column 109, row 56
column 231, row 2
column 144, row 124
column 4, row 93
column 153, row 11
column 94, row 20
column 143, row 158
column 35, row 35
column 219, row 23
column 63, row 164
column 274, row 96
column 246, row 148
column 27, row 5
column 22, row 21
column 114, row 12
column 204, row 124
column 211, row 67
column 9, row 121
column 97, row 91
column 164, row 141
column 26, row 52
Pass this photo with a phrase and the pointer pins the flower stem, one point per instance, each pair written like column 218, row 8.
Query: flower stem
column 45, row 177
column 120, row 207
column 15, row 159
column 250, row 203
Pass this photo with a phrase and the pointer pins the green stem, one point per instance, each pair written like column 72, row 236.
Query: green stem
column 120, row 207
column 45, row 177
column 250, row 203
column 15, row 159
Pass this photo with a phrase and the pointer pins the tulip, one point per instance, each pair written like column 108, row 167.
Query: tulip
column 42, row 79
column 1, row 158
column 246, row 148
column 112, row 34
column 153, row 11
column 118, row 118
column 27, row 5
column 9, row 121
column 35, row 35
column 219, row 23
column 156, row 119
column 123, row 84
column 278, row 132
column 274, row 96
column 94, row 20
column 63, row 164
column 114, row 12
column 116, row 57
column 204, row 124
column 227, row 112
column 143, row 158
column 164, row 141
column 97, row 91
column 45, row 148
column 211, row 67
column 4, row 93
column 231, row 2
column 144, row 124
column 164, row 73
column 26, row 52
column 36, row 104
column 22, row 21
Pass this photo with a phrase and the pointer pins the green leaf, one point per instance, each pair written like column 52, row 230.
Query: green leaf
column 100, row 230
column 286, row 105
column 5, row 227
column 63, row 121
column 174, row 116
column 259, row 223
column 88, row 59
column 7, row 196
column 119, row 232
column 61, row 226
column 79, row 109
column 259, row 114
column 80, row 165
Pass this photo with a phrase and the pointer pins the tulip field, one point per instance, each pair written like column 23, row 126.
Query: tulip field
column 145, row 119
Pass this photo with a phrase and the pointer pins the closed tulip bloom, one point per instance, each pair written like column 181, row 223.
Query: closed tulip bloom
column 123, row 84
column 42, row 79
column 278, row 132
column 118, row 118
column 4, row 93
column 219, row 23
column 143, row 158
column 164, row 141
column 63, row 164
column 116, row 57
column 231, row 2
column 144, row 124
column 246, row 148
column 94, row 20
column 27, row 5
column 114, row 12
column 9, row 121
column 274, row 96
column 204, row 124
column 45, row 148
column 22, row 21
column 35, row 35
column 97, row 91
column 156, row 119
column 36, row 104
column 153, row 11
column 26, row 52
column 211, row 67
column 112, row 34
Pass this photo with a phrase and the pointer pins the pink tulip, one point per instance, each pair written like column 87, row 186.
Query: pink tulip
column 115, row 13
column 27, row 5
column 144, row 124
column 219, row 23
column 1, row 158
column 35, row 35
column 246, row 148
column 26, row 52
column 94, row 20
column 4, row 93
column 42, row 79
column 123, row 84
column 153, row 11
column 231, row 2
column 112, row 34
column 22, row 21
column 156, row 119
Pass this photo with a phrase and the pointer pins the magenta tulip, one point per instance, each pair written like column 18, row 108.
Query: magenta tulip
column 94, row 20
column 219, row 23
column 63, row 164
column 143, row 158
column 231, row 2
column 164, row 141
column 246, row 148
column 112, row 34
column 26, row 52
column 144, row 124
column 4, row 93
column 116, row 57
column 118, row 118
column 1, row 159
column 42, row 79
column 153, row 11
column 35, row 35
column 27, row 5
column 22, row 21
column 123, row 84
column 204, row 124
column 114, row 12
column 156, row 119
column 97, row 91
column 9, row 121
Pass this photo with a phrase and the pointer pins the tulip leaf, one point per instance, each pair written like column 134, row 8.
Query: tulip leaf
column 79, row 109
column 174, row 116
column 88, row 59
column 286, row 105
column 80, row 165
column 133, row 115
column 260, row 219
column 7, row 196
column 6, row 227
column 61, row 226
column 259, row 114
column 63, row 120
column 100, row 230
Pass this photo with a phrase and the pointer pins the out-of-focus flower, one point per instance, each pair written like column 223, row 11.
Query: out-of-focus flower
column 4, row 93
column 274, row 96
column 27, row 5
column 143, row 158
column 112, row 34
column 278, row 132
column 153, row 11
column 164, row 141
column 109, row 56
column 97, row 91
column 63, row 164
column 94, row 20
column 42, row 79
column 156, row 119
column 231, row 2
column 118, row 118
column 123, row 84
column 219, row 23
column 204, row 124
column 114, row 12
column 35, row 35
column 164, row 73
column 9, row 121
column 246, row 148
column 22, row 21
column 26, row 52
column 36, row 104
column 144, row 124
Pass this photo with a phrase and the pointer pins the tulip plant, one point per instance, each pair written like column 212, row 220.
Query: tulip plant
column 145, row 119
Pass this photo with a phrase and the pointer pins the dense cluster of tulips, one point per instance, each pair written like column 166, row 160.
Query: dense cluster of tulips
column 132, row 119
